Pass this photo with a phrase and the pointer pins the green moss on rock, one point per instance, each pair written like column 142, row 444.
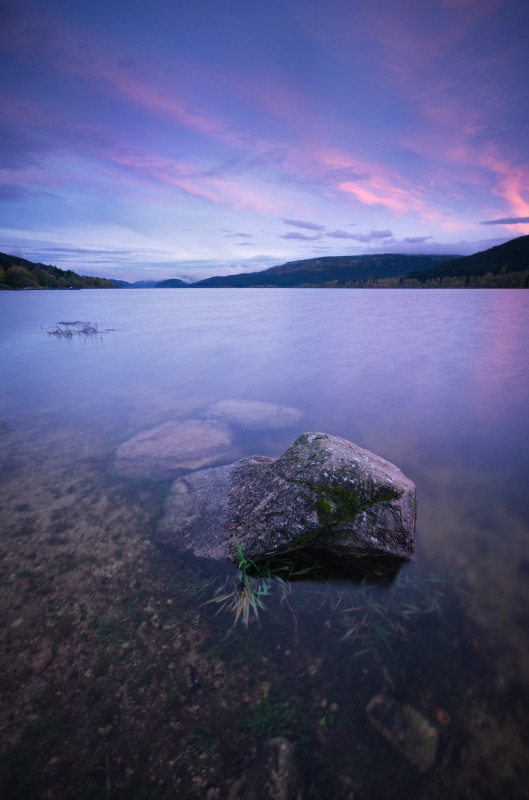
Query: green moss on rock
column 337, row 506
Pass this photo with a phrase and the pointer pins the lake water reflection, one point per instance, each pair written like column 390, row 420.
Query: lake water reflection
column 435, row 381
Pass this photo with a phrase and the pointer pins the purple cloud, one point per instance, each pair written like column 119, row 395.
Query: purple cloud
column 339, row 234
column 239, row 235
column 300, row 236
column 17, row 150
column 11, row 193
column 300, row 223
column 416, row 239
column 372, row 236
column 506, row 221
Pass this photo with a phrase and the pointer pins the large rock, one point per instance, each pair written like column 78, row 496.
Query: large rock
column 174, row 448
column 195, row 511
column 323, row 492
column 254, row 415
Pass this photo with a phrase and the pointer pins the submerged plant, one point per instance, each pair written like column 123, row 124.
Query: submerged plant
column 374, row 622
column 77, row 328
column 243, row 595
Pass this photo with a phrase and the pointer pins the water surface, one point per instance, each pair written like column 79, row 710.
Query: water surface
column 435, row 381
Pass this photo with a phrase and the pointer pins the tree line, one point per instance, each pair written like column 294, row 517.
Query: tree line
column 509, row 280
column 18, row 273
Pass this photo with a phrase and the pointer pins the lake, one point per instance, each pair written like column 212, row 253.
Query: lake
column 121, row 679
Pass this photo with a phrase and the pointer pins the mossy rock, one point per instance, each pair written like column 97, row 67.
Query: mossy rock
column 324, row 493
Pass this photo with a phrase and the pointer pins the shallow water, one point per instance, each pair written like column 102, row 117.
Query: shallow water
column 435, row 381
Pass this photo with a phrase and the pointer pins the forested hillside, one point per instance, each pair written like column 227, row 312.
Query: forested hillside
column 320, row 271
column 19, row 273
column 508, row 259
column 505, row 266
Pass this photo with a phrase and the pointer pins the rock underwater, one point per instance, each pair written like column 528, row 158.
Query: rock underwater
column 323, row 493
column 173, row 448
column 178, row 447
column 406, row 729
column 253, row 415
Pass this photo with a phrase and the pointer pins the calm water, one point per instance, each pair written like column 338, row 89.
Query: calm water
column 436, row 382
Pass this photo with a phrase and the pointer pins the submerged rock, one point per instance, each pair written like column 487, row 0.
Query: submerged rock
column 284, row 781
column 254, row 415
column 406, row 729
column 274, row 775
column 174, row 448
column 323, row 492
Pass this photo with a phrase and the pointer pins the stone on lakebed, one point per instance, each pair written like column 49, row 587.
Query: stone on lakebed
column 324, row 493
column 406, row 729
column 174, row 448
column 253, row 414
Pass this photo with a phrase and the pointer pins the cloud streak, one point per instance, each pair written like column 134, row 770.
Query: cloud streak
column 506, row 221
column 372, row 236
column 298, row 223
column 300, row 237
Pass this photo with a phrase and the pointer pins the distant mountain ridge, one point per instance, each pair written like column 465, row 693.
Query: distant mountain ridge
column 317, row 271
column 170, row 283
column 119, row 284
column 502, row 266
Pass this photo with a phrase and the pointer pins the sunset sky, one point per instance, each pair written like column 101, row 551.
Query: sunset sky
column 188, row 138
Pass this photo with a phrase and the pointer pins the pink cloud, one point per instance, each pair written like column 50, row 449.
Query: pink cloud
column 513, row 185
column 379, row 185
column 141, row 167
column 486, row 168
column 297, row 157
column 154, row 98
column 376, row 195
column 239, row 194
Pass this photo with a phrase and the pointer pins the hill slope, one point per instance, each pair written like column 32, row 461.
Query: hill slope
column 512, row 256
column 318, row 271
column 19, row 273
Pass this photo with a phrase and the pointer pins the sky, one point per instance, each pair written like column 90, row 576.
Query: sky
column 150, row 140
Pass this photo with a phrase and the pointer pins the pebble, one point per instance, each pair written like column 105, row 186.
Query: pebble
column 41, row 661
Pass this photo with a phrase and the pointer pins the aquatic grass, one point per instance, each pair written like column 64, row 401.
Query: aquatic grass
column 281, row 714
column 110, row 628
column 243, row 595
column 243, row 599
column 201, row 739
column 378, row 622
column 131, row 604
column 77, row 328
column 271, row 717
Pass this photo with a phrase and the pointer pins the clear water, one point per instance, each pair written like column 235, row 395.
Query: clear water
column 436, row 382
